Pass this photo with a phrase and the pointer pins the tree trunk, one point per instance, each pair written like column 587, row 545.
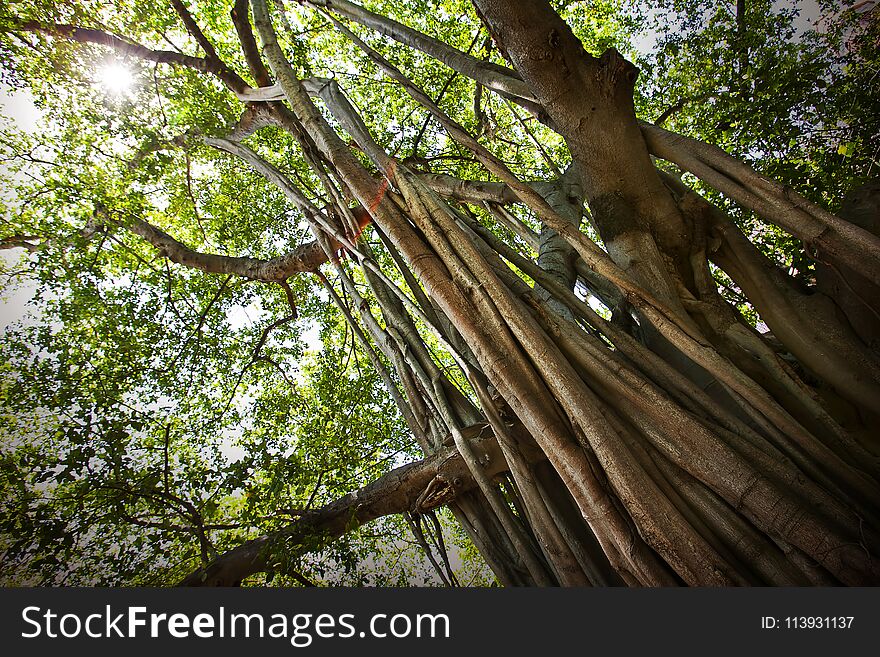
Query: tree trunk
column 672, row 444
column 678, row 450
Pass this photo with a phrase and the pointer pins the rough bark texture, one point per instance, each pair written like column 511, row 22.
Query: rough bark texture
column 589, row 101
column 750, row 481
column 673, row 444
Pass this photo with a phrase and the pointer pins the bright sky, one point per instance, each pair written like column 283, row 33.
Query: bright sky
column 117, row 79
column 18, row 107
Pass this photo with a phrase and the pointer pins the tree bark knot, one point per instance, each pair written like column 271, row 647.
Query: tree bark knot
column 614, row 68
column 437, row 493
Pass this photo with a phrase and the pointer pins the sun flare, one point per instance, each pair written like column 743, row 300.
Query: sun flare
column 115, row 78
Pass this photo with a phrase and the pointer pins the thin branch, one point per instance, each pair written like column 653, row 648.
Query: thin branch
column 441, row 546
column 20, row 242
column 242, row 24
column 415, row 524
column 549, row 160
column 126, row 46
column 255, row 358
column 232, row 79
column 679, row 105
column 290, row 299
column 315, row 490
column 192, row 196
column 194, row 30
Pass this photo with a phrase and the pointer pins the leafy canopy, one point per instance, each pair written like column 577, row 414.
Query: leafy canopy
column 154, row 415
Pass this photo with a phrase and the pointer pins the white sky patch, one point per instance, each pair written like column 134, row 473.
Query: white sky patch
column 229, row 446
column 241, row 316
column 294, row 19
column 596, row 305
column 15, row 298
column 14, row 307
column 312, row 337
column 645, row 42
column 19, row 106
column 115, row 283
column 202, row 169
column 810, row 17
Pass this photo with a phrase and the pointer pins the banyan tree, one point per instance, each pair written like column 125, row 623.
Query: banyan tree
column 626, row 315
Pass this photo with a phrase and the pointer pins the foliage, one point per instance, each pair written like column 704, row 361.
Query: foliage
column 154, row 416
column 789, row 87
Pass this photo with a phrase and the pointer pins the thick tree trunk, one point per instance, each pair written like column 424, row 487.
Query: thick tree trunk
column 673, row 444
column 670, row 493
column 589, row 102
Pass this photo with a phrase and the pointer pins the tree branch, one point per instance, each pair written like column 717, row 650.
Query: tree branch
column 194, row 30
column 469, row 191
column 20, row 242
column 305, row 258
column 230, row 77
column 242, row 24
column 125, row 46
column 505, row 81
column 418, row 487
